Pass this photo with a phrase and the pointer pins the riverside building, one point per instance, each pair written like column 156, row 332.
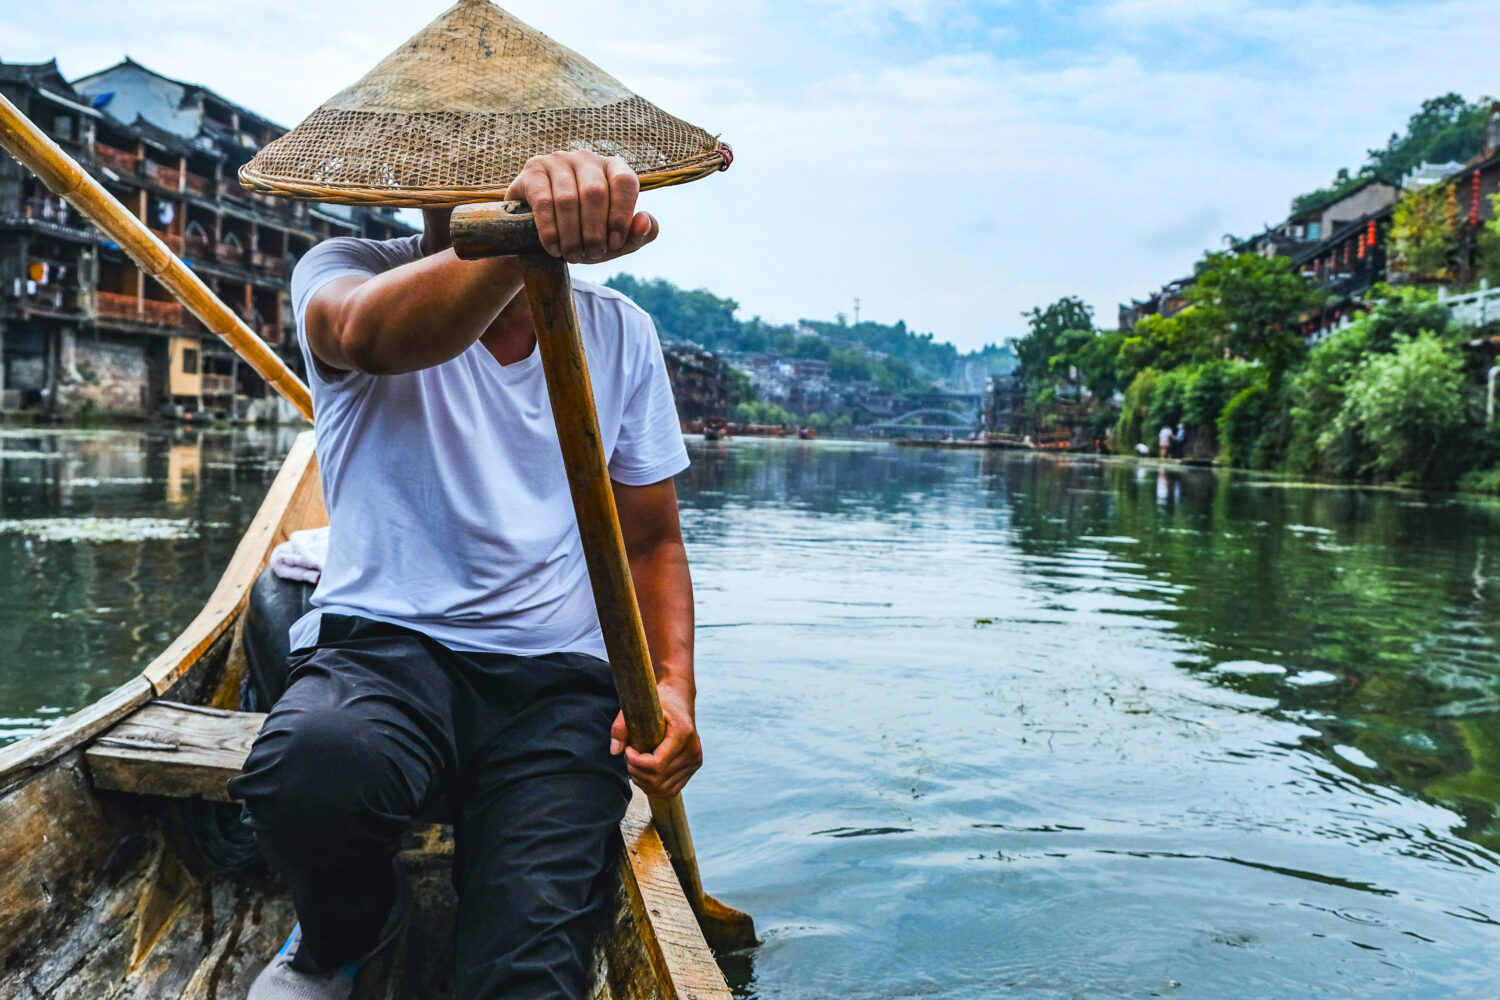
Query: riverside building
column 82, row 329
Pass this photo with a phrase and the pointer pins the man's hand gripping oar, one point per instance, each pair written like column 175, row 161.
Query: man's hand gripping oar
column 506, row 229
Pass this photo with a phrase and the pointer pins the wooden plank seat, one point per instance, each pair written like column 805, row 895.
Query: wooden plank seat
column 168, row 748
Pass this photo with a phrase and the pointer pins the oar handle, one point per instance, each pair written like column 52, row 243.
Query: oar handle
column 493, row 229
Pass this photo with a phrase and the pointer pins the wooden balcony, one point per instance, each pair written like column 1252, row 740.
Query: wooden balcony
column 164, row 176
column 230, row 188
column 194, row 184
column 273, row 264
column 172, row 240
column 217, row 385
column 53, row 210
column 142, row 310
column 116, row 305
column 54, row 299
column 228, row 253
column 156, row 311
column 116, row 159
column 197, row 246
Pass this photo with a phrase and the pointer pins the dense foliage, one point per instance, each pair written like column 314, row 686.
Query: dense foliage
column 1388, row 397
column 890, row 355
column 1446, row 129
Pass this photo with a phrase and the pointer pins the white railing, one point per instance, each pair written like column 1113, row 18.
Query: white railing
column 1475, row 308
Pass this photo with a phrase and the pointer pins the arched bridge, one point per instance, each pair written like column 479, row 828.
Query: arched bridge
column 926, row 422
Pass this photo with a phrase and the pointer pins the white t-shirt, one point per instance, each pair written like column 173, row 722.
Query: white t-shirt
column 448, row 503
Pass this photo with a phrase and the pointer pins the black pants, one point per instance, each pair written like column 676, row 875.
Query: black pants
column 376, row 720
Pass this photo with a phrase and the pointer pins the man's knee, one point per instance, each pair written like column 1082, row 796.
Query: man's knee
column 319, row 776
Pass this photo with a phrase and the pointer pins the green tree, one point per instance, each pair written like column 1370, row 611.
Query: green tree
column 849, row 364
column 1133, row 425
column 1423, row 233
column 897, row 375
column 1096, row 357
column 1446, row 129
column 1489, row 244
column 1255, row 305
column 1408, row 405
column 1046, row 331
column 1165, row 342
column 741, row 390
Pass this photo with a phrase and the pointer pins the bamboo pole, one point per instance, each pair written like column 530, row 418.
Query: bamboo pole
column 65, row 178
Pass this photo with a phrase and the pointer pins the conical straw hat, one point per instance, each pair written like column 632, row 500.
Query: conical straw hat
column 453, row 114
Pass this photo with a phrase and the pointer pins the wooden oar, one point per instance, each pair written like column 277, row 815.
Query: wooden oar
column 506, row 228
column 62, row 174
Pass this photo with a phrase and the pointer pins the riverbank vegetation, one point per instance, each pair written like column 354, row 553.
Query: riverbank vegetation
column 1396, row 395
column 1397, row 392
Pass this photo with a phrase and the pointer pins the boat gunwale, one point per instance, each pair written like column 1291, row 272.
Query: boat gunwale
column 220, row 611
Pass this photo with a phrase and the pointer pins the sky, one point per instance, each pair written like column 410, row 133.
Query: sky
column 952, row 163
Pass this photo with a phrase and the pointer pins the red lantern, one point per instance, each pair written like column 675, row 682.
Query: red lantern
column 1474, row 198
column 1361, row 246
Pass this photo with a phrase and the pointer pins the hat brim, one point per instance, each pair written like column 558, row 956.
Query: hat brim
column 444, row 158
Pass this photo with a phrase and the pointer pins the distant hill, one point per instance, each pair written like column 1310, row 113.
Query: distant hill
column 1446, row 129
column 861, row 351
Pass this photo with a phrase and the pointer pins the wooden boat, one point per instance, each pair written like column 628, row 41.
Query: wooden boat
column 112, row 881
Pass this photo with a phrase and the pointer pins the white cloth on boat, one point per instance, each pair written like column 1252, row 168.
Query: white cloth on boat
column 301, row 556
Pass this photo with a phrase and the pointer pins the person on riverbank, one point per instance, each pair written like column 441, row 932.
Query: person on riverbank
column 1164, row 439
column 454, row 650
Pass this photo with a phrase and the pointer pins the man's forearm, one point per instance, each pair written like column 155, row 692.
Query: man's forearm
column 664, row 590
column 423, row 313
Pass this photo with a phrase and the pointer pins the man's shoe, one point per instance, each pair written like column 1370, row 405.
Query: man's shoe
column 279, row 981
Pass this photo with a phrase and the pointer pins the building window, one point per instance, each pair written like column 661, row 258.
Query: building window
column 189, row 361
column 1315, row 230
column 62, row 127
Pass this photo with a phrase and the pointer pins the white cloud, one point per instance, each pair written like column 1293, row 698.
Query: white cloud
column 950, row 183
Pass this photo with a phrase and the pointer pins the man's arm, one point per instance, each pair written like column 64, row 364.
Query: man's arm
column 429, row 311
column 664, row 590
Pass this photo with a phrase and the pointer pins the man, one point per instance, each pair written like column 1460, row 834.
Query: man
column 454, row 650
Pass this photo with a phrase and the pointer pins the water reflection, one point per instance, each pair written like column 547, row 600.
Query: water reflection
column 109, row 543
column 977, row 726
column 985, row 726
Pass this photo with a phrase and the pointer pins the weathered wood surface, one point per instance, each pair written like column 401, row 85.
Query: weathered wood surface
column 493, row 229
column 21, row 760
column 665, row 924
column 175, row 750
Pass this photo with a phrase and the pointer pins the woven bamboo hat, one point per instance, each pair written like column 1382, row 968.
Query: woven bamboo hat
column 453, row 114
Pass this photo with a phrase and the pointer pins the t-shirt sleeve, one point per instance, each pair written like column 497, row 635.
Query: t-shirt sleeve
column 649, row 448
column 330, row 260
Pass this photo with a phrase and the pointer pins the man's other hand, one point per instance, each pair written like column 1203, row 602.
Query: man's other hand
column 584, row 206
column 666, row 769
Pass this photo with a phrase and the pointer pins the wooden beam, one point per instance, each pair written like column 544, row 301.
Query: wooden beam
column 167, row 748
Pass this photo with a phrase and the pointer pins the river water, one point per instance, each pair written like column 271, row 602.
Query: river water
column 977, row 725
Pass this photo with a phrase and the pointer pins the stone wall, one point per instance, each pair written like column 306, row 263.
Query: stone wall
column 102, row 374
